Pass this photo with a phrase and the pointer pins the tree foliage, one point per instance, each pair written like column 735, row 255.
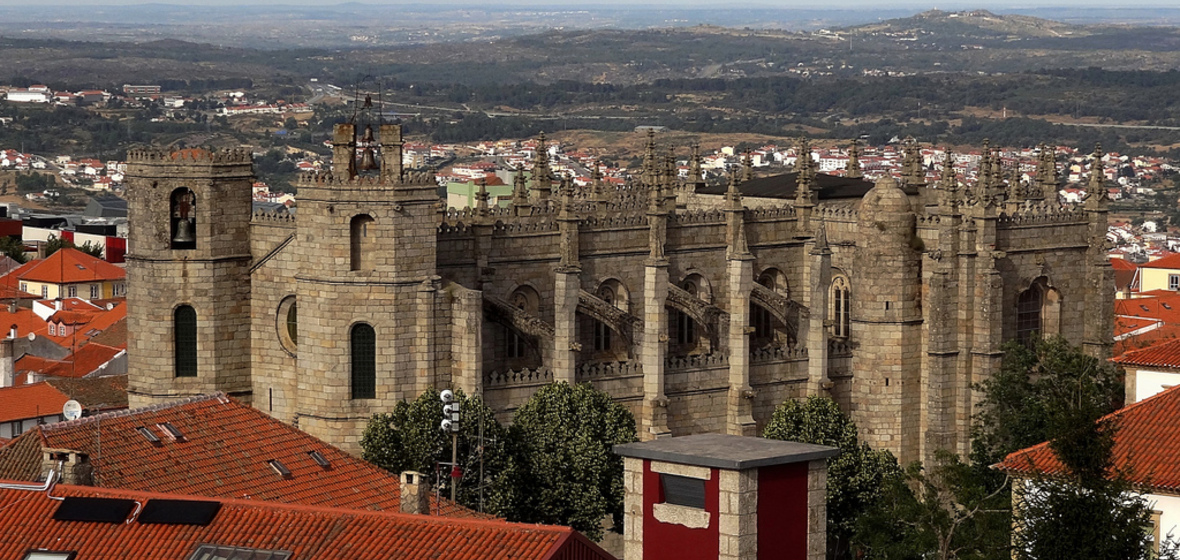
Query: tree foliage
column 54, row 243
column 856, row 477
column 561, row 469
column 13, row 248
column 1032, row 398
column 944, row 512
column 409, row 438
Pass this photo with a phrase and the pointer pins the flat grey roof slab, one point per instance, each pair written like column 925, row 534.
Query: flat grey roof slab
column 724, row 451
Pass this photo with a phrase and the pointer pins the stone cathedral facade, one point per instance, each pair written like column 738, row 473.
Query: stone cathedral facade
column 699, row 308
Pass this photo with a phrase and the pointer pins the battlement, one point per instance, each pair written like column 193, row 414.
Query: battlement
column 282, row 216
column 592, row 371
column 327, row 178
column 190, row 156
column 707, row 216
column 1041, row 213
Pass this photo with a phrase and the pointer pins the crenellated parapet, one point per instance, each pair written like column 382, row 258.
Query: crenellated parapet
column 1032, row 213
column 612, row 221
column 526, row 376
column 837, row 214
column 698, row 361
column 777, row 354
column 594, row 371
column 697, row 217
column 330, row 179
column 772, row 212
column 281, row 217
column 190, row 155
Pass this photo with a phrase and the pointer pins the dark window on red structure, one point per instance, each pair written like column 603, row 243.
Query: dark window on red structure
column 683, row 491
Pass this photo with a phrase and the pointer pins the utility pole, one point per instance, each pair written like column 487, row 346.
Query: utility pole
column 450, row 423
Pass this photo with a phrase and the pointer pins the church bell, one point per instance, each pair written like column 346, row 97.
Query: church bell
column 368, row 156
column 184, row 232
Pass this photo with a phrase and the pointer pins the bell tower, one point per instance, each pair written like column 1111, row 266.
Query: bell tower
column 366, row 243
column 188, row 259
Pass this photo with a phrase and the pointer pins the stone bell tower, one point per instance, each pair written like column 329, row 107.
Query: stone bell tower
column 188, row 259
column 367, row 290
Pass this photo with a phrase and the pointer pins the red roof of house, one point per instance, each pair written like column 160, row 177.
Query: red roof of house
column 1171, row 261
column 68, row 266
column 1162, row 354
column 307, row 532
column 79, row 364
column 21, row 402
column 1145, row 446
column 224, row 454
column 1123, row 264
column 10, row 283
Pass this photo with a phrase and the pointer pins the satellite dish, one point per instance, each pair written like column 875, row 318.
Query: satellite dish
column 72, row 410
column 32, row 336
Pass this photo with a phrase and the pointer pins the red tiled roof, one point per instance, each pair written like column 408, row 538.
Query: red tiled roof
column 68, row 266
column 305, row 531
column 79, row 364
column 1171, row 261
column 224, row 454
column 21, row 402
column 1162, row 354
column 1145, row 446
column 1123, row 264
column 11, row 281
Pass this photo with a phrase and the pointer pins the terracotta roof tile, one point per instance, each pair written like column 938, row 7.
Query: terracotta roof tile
column 1171, row 261
column 68, row 266
column 1146, row 445
column 30, row 401
column 224, row 454
column 1162, row 354
column 305, row 531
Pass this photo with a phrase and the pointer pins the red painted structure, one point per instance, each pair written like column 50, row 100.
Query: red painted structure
column 668, row 540
column 782, row 529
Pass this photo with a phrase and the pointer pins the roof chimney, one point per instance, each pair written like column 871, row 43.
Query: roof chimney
column 7, row 366
column 75, row 466
column 415, row 497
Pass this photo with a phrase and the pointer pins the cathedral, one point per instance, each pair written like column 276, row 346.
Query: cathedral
column 700, row 308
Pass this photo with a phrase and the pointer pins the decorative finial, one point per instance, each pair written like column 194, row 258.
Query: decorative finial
column 852, row 170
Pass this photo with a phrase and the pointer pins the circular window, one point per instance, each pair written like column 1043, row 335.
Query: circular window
column 287, row 324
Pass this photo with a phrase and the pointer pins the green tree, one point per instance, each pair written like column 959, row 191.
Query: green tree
column 561, row 469
column 54, row 243
column 409, row 438
column 1090, row 506
column 1024, row 401
column 856, row 477
column 945, row 512
column 14, row 248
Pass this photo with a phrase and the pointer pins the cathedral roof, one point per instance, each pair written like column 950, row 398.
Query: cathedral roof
column 783, row 186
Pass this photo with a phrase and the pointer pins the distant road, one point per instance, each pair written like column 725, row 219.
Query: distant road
column 1139, row 126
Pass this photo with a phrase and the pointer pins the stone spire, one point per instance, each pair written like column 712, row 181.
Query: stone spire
column 542, row 175
column 520, row 193
column 805, row 174
column 671, row 178
column 481, row 199
column 598, row 188
column 735, row 231
column 1046, row 179
column 852, row 170
column 650, row 173
column 1015, row 190
column 696, row 175
column 1096, row 195
column 913, row 174
column 747, row 167
column 948, row 182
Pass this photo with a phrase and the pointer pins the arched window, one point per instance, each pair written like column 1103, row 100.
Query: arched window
column 839, row 306
column 526, row 299
column 363, row 342
column 183, row 211
column 287, row 324
column 361, row 241
column 684, row 327
column 184, row 341
column 602, row 333
column 1038, row 312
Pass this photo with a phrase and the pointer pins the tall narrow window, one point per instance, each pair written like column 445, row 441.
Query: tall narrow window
column 184, row 342
column 184, row 219
column 1028, row 314
column 841, row 303
column 761, row 321
column 364, row 361
column 361, row 241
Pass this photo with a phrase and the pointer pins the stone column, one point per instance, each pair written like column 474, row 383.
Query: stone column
column 565, row 319
column 740, row 408
column 466, row 340
column 424, row 338
column 738, row 528
column 817, row 325
column 653, row 349
column 632, row 508
column 817, row 510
